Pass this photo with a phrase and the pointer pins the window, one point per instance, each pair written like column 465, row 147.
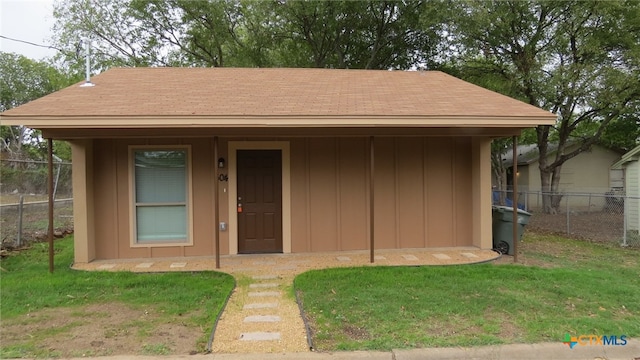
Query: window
column 160, row 195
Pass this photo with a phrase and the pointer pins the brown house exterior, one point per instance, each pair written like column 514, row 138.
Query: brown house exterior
column 301, row 160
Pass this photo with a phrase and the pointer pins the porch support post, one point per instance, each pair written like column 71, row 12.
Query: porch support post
column 50, row 191
column 216, row 192
column 84, row 245
column 515, row 199
column 481, row 192
column 371, row 198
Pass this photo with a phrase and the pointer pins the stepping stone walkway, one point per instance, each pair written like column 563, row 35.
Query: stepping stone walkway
column 262, row 315
column 258, row 317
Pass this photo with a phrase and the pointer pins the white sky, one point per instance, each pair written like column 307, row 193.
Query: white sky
column 29, row 20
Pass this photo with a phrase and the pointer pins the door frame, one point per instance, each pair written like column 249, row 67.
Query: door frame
column 283, row 146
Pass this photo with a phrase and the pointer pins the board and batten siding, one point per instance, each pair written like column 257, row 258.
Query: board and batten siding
column 424, row 194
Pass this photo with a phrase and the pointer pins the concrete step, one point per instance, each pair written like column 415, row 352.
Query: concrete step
column 262, row 318
column 263, row 285
column 260, row 306
column 264, row 277
column 264, row 294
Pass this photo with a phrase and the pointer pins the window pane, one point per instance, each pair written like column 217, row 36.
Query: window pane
column 161, row 223
column 160, row 176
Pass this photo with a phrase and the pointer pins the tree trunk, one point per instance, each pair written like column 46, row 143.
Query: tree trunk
column 545, row 182
column 556, row 197
column 500, row 174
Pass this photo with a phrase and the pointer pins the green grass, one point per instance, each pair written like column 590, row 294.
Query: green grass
column 194, row 299
column 576, row 287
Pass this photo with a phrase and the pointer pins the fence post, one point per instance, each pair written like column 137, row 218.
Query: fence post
column 20, row 206
column 624, row 222
column 589, row 211
column 568, row 219
column 55, row 185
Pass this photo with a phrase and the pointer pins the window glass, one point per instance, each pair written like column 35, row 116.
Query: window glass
column 160, row 181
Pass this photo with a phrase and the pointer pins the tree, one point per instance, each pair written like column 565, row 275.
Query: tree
column 339, row 34
column 578, row 59
column 354, row 34
column 23, row 80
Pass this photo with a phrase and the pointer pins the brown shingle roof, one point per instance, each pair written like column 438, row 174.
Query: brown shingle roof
column 238, row 95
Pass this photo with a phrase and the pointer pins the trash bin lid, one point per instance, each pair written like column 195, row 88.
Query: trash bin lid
column 509, row 209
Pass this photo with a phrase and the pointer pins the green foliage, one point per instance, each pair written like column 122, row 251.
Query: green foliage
column 339, row 34
column 23, row 80
column 577, row 59
column 583, row 288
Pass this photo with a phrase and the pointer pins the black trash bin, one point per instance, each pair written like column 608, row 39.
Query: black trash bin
column 502, row 218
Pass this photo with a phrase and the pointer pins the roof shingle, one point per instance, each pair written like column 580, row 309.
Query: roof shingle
column 276, row 92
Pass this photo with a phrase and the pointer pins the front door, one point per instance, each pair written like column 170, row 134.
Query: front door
column 259, row 201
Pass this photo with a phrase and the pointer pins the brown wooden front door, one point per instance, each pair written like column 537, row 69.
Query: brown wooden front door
column 259, row 201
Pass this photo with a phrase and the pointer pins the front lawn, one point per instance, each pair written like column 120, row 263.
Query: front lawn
column 43, row 314
column 566, row 286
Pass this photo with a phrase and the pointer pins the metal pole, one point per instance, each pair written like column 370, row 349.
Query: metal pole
column 624, row 222
column 217, row 201
column 50, row 161
column 515, row 199
column 371, row 197
column 20, row 209
column 568, row 218
column 55, row 185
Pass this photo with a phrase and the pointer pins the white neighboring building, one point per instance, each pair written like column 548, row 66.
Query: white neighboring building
column 630, row 164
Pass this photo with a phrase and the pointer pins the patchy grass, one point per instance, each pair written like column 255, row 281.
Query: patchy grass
column 566, row 286
column 32, row 298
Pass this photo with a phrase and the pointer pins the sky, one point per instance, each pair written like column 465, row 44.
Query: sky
column 28, row 20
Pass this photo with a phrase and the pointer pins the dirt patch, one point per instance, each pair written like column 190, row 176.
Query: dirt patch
column 356, row 333
column 601, row 226
column 99, row 330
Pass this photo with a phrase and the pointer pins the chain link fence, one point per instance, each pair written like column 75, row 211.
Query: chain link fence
column 24, row 201
column 607, row 216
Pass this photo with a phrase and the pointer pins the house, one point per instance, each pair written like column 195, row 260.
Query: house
column 630, row 164
column 302, row 160
column 587, row 173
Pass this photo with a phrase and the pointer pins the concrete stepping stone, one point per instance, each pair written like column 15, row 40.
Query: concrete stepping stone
column 264, row 263
column 178, row 265
column 265, row 285
column 410, row 257
column 260, row 306
column 442, row 256
column 106, row 266
column 144, row 265
column 261, row 318
column 298, row 262
column 263, row 293
column 241, row 270
column 469, row 255
column 260, row 336
column 287, row 267
column 343, row 258
column 264, row 277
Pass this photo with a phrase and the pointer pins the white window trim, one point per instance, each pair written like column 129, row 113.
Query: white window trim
column 132, row 199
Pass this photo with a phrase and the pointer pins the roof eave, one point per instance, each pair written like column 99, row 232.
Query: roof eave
column 260, row 121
